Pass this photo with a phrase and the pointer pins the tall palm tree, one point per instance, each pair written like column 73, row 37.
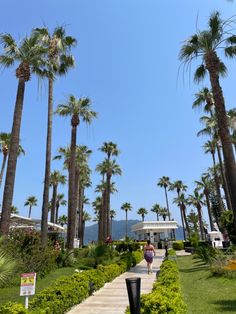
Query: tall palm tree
column 142, row 212
column 55, row 178
column 112, row 215
column 156, row 209
column 204, row 45
column 126, row 207
column 58, row 61
column 5, row 139
column 109, row 168
column 196, row 199
column 205, row 185
column 181, row 201
column 60, row 201
column 86, row 217
column 77, row 109
column 110, row 149
column 31, row 201
column 97, row 207
column 29, row 56
column 179, row 186
column 164, row 182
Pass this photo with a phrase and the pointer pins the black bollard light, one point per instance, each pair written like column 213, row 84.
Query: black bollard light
column 166, row 248
column 133, row 287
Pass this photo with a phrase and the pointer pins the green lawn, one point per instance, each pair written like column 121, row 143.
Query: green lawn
column 204, row 293
column 13, row 293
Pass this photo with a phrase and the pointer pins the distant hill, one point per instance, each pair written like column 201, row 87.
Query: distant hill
column 118, row 231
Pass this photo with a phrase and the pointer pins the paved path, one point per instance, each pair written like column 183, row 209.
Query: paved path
column 112, row 298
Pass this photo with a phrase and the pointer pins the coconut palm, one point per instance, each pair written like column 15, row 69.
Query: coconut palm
column 156, row 209
column 142, row 212
column 126, row 207
column 55, row 178
column 60, row 201
column 164, row 182
column 31, row 201
column 196, row 199
column 112, row 215
column 5, row 139
column 29, row 56
column 77, row 109
column 204, row 45
column 58, row 61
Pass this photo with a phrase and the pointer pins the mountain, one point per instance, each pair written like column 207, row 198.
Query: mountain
column 118, row 231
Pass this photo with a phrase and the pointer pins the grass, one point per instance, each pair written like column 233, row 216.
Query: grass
column 13, row 293
column 203, row 292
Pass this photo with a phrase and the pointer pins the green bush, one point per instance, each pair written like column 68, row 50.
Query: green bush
column 13, row 308
column 166, row 295
column 206, row 253
column 127, row 246
column 178, row 245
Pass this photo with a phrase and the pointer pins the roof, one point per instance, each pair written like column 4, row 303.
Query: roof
column 154, row 225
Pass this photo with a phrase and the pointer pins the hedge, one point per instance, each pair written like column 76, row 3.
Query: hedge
column 166, row 295
column 178, row 245
column 71, row 290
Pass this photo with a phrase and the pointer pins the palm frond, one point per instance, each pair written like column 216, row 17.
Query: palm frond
column 200, row 73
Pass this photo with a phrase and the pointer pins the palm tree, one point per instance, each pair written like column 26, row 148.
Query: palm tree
column 58, row 62
column 112, row 215
column 163, row 212
column 110, row 149
column 109, row 168
column 55, row 178
column 164, row 182
column 63, row 220
column 77, row 109
column 86, row 217
column 5, row 139
column 204, row 45
column 31, row 201
column 29, row 56
column 181, row 201
column 156, row 209
column 14, row 210
column 142, row 212
column 60, row 201
column 205, row 185
column 97, row 207
column 126, row 207
column 196, row 199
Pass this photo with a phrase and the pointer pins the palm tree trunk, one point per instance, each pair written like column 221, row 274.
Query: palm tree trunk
column 212, row 65
column 185, row 220
column 126, row 224
column 104, row 216
column 3, row 168
column 209, row 209
column 81, row 205
column 157, row 217
column 44, row 219
column 12, row 160
column 77, row 189
column 108, row 204
column 225, row 183
column 111, row 228
column 30, row 208
column 182, row 220
column 200, row 222
column 53, row 208
column 167, row 203
column 72, row 192
column 82, row 234
column 57, row 211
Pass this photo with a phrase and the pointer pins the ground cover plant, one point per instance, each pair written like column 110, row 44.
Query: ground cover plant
column 204, row 292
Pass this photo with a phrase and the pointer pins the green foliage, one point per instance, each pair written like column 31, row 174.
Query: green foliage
column 25, row 246
column 166, row 295
column 227, row 221
column 178, row 245
column 7, row 267
column 207, row 254
column 13, row 308
column 127, row 246
column 194, row 239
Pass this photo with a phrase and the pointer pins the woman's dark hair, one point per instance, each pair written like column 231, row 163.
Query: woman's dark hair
column 148, row 242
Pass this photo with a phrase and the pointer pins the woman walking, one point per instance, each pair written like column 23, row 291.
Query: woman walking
column 149, row 252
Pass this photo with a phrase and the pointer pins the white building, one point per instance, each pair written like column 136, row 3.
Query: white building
column 155, row 231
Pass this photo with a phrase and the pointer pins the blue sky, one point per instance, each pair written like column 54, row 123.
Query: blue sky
column 127, row 63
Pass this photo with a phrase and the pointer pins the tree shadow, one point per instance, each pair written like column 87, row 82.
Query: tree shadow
column 226, row 305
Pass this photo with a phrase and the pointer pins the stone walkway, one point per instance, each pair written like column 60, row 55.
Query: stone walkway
column 112, row 298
